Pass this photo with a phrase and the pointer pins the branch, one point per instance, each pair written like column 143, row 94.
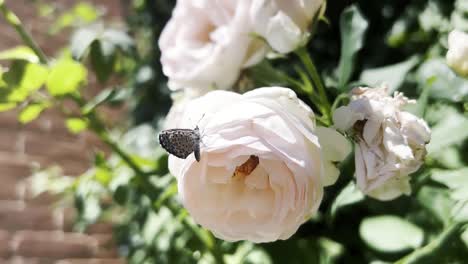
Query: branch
column 422, row 255
column 15, row 22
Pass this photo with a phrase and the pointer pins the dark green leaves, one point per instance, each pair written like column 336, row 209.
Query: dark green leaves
column 453, row 124
column 353, row 27
column 446, row 84
column 348, row 195
column 20, row 81
column 392, row 75
column 103, row 46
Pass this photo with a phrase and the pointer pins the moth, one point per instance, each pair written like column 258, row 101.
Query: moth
column 181, row 142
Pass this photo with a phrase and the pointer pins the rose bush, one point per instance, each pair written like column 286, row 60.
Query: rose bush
column 390, row 142
column 262, row 168
column 207, row 43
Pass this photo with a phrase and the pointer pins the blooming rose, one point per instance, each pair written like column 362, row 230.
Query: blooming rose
column 284, row 23
column 207, row 43
column 390, row 142
column 457, row 55
column 262, row 169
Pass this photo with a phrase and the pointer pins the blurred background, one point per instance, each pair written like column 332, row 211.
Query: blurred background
column 33, row 229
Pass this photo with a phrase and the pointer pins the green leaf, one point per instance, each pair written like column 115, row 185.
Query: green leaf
column 63, row 21
column 392, row 75
column 118, row 38
column 82, row 13
column 7, row 106
column 65, row 77
column 432, row 18
column 445, row 83
column 437, row 201
column 453, row 179
column 455, row 125
column 388, row 233
column 86, row 12
column 76, row 125
column 21, row 80
column 31, row 112
column 102, row 59
column 449, row 157
column 104, row 96
column 81, row 40
column 349, row 195
column 353, row 27
column 464, row 237
column 19, row 53
column 103, row 45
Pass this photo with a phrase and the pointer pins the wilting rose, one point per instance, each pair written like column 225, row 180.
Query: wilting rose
column 262, row 169
column 207, row 43
column 391, row 143
column 457, row 54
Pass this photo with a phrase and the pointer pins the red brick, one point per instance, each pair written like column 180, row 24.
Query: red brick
column 5, row 244
column 38, row 144
column 91, row 261
column 22, row 260
column 8, row 139
column 56, row 245
column 16, row 215
column 107, row 247
column 14, row 166
column 99, row 228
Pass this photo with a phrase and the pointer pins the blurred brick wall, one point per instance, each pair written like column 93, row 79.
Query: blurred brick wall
column 31, row 230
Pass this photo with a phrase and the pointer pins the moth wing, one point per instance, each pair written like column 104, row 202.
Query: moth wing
column 178, row 142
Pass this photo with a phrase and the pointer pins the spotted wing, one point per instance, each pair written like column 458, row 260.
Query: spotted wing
column 180, row 142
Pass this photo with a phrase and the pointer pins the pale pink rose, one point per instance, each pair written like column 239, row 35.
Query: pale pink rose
column 391, row 143
column 457, row 54
column 262, row 169
column 284, row 23
column 207, row 43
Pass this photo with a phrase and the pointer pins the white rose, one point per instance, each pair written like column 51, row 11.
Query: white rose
column 390, row 142
column 207, row 43
column 457, row 54
column 284, row 23
column 262, row 170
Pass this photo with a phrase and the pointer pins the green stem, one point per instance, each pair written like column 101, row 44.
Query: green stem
column 306, row 60
column 15, row 22
column 204, row 236
column 338, row 100
column 424, row 254
column 98, row 127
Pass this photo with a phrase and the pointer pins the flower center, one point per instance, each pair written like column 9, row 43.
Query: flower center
column 247, row 167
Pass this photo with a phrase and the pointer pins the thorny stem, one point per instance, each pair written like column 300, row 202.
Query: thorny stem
column 15, row 22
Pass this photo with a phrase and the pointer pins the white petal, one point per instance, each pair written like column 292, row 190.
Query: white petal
column 283, row 34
